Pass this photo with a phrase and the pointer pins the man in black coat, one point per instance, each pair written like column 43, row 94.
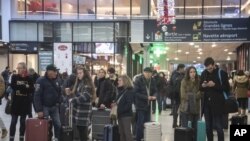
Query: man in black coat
column 145, row 92
column 214, row 99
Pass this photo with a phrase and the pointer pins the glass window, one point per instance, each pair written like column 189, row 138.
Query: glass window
column 179, row 8
column 122, row 9
column 62, row 32
column 69, row 9
column 45, row 31
column 87, row 9
column 230, row 8
column 104, row 9
column 18, row 8
column 81, row 32
column 140, row 8
column 34, row 9
column 212, row 8
column 23, row 31
column 245, row 8
column 103, row 32
column 51, row 9
column 193, row 9
column 121, row 31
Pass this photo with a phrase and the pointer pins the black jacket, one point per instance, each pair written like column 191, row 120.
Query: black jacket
column 47, row 93
column 141, row 96
column 22, row 89
column 213, row 96
column 124, row 108
column 105, row 92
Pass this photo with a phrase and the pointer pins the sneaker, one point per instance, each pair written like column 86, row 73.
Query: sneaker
column 4, row 133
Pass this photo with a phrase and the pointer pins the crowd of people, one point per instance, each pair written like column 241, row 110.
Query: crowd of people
column 192, row 96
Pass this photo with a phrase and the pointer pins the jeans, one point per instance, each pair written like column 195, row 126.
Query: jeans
column 176, row 104
column 53, row 113
column 83, row 132
column 14, row 119
column 213, row 121
column 142, row 117
column 125, row 129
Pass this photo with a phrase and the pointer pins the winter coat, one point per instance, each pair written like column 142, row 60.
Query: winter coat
column 2, row 86
column 47, row 93
column 213, row 96
column 141, row 97
column 82, row 104
column 22, row 89
column 190, row 87
column 241, row 84
column 124, row 108
column 106, row 92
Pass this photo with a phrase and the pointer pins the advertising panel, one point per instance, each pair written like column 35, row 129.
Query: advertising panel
column 63, row 57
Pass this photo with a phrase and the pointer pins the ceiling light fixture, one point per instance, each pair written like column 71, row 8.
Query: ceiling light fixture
column 196, row 46
column 225, row 50
column 200, row 53
column 187, row 52
column 198, row 57
column 230, row 53
column 214, row 45
column 228, row 58
column 179, row 51
column 176, row 58
column 191, row 44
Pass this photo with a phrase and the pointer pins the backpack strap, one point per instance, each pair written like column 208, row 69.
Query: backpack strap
column 224, row 93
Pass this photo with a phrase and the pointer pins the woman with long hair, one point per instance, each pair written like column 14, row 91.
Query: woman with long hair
column 190, row 98
column 124, row 102
column 83, row 96
column 22, row 87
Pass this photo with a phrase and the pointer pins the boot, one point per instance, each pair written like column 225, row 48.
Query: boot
column 4, row 133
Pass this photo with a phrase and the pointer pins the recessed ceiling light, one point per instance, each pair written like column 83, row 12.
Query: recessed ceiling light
column 191, row 44
column 176, row 58
column 198, row 50
column 226, row 50
column 196, row 46
column 187, row 52
column 214, row 45
column 228, row 58
column 179, row 50
column 198, row 57
column 200, row 53
column 230, row 53
column 194, row 61
column 167, row 59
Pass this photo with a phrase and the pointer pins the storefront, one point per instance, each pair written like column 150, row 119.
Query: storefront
column 94, row 44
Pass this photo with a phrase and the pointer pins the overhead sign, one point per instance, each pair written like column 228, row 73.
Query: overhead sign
column 63, row 57
column 198, row 30
column 45, row 59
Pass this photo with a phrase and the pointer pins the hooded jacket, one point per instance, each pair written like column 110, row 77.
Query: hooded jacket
column 241, row 84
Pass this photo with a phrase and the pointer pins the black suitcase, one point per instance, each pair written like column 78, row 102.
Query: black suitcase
column 239, row 120
column 184, row 134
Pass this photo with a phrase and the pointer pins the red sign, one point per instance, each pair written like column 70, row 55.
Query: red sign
column 62, row 47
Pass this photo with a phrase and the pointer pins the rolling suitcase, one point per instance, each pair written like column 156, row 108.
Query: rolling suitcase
column 152, row 129
column 38, row 130
column 239, row 120
column 67, row 131
column 111, row 133
column 201, row 130
column 184, row 134
column 100, row 118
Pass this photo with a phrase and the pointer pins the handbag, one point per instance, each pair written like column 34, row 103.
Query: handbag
column 231, row 104
column 8, row 107
column 113, row 112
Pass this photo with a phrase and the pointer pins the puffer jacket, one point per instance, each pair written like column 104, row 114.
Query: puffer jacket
column 241, row 85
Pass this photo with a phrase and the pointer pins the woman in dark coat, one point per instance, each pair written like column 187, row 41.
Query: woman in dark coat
column 124, row 102
column 22, row 87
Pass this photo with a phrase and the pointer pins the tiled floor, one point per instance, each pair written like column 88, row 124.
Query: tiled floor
column 165, row 119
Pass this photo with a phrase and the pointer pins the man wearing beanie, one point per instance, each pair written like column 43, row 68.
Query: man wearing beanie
column 145, row 92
